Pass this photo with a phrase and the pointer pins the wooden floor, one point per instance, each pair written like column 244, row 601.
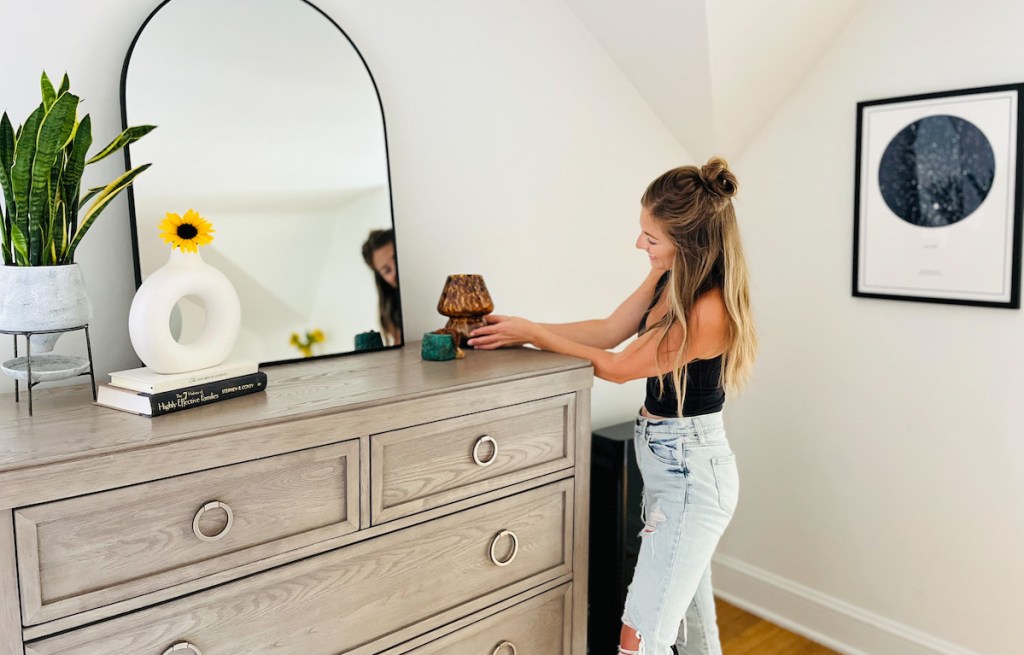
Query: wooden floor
column 746, row 634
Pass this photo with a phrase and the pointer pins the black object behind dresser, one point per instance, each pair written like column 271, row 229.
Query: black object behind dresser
column 615, row 488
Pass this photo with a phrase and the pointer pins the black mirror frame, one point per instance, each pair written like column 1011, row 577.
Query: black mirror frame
column 387, row 157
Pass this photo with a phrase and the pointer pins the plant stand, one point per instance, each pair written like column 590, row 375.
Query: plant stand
column 48, row 367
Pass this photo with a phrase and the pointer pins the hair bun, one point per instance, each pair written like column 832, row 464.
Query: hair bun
column 718, row 179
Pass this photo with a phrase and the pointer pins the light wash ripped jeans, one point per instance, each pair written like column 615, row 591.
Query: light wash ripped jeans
column 690, row 491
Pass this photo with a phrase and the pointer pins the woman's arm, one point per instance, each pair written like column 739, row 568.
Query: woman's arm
column 606, row 333
column 643, row 358
column 594, row 332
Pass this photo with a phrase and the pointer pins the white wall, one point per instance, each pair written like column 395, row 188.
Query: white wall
column 518, row 151
column 881, row 444
column 777, row 36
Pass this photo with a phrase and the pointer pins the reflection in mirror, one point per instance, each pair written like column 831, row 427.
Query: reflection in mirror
column 379, row 255
column 271, row 128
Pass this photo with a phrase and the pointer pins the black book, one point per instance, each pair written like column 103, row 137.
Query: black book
column 155, row 404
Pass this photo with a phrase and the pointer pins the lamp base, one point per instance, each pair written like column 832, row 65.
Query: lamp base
column 463, row 325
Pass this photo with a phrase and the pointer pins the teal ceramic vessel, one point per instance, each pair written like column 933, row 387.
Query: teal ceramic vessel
column 438, row 347
column 369, row 340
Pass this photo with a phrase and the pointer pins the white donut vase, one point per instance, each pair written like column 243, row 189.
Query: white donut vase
column 185, row 274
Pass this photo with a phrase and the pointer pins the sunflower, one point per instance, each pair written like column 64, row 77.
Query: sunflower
column 186, row 233
column 305, row 345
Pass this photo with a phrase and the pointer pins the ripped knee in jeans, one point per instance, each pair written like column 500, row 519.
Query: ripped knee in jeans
column 652, row 519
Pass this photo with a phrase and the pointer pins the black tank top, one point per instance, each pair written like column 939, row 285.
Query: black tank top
column 704, row 391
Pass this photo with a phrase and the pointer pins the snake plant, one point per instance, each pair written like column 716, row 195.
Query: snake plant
column 41, row 167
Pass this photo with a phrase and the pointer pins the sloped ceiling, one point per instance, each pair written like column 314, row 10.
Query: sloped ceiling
column 715, row 71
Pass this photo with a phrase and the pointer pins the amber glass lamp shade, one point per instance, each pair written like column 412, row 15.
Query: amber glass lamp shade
column 465, row 302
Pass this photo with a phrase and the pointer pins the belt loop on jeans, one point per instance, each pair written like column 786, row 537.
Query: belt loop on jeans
column 698, row 427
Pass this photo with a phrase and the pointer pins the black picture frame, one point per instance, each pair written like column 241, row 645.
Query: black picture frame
column 937, row 197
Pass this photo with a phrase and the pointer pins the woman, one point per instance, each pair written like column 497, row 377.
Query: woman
column 379, row 255
column 696, row 333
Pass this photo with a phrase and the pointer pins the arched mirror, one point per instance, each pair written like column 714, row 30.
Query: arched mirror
column 270, row 126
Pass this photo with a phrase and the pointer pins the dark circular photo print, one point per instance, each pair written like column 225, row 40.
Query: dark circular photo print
column 936, row 171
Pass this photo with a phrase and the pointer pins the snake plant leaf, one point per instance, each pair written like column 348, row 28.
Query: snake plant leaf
column 64, row 242
column 54, row 206
column 89, row 196
column 20, row 244
column 36, row 243
column 131, row 135
column 105, row 197
column 65, row 85
column 49, row 94
column 21, row 173
column 72, row 183
column 7, row 143
column 58, row 236
column 54, row 132
column 5, row 240
column 54, row 232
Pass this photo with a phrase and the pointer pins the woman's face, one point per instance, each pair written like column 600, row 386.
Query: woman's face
column 384, row 264
column 655, row 242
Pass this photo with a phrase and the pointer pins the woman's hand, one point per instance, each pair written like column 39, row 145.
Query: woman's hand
column 502, row 331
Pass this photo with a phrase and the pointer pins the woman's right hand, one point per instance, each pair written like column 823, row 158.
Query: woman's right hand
column 502, row 332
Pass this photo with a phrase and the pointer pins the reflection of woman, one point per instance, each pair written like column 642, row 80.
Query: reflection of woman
column 696, row 337
column 379, row 255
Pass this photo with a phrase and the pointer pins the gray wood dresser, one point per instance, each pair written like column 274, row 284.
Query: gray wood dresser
column 368, row 504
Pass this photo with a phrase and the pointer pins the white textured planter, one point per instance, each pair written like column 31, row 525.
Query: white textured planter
column 185, row 274
column 34, row 298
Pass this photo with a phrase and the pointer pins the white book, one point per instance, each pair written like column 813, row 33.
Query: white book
column 145, row 380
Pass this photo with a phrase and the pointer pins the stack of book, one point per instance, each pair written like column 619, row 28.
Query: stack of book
column 141, row 391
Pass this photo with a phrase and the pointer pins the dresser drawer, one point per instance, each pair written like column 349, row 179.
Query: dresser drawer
column 381, row 591
column 539, row 626
column 93, row 550
column 430, row 465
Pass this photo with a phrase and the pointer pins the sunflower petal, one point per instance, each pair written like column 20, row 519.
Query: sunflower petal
column 171, row 232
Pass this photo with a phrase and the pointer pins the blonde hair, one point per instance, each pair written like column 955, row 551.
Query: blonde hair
column 694, row 207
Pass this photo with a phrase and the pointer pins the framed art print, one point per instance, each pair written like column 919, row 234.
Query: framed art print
column 937, row 205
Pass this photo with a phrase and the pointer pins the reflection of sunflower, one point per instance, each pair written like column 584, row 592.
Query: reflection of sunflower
column 305, row 346
column 186, row 233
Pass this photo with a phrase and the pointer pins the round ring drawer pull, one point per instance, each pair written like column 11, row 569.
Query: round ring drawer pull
column 504, row 644
column 476, row 451
column 515, row 549
column 212, row 505
column 185, row 646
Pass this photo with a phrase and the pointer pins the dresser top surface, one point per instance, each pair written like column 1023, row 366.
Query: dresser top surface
column 66, row 424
